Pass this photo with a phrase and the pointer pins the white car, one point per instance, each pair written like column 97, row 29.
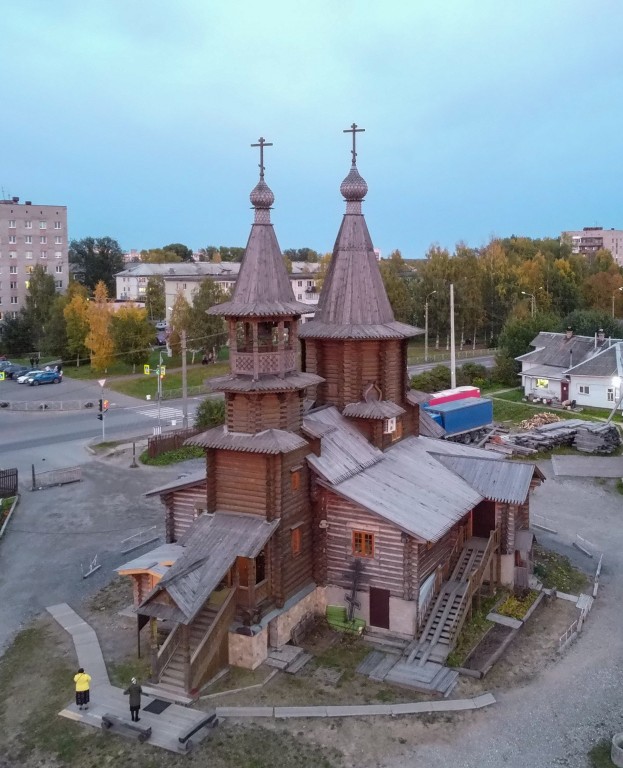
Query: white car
column 25, row 376
column 161, row 325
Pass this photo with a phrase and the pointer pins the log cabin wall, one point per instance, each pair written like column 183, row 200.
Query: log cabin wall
column 252, row 413
column 386, row 569
column 505, row 516
column 429, row 558
column 182, row 506
column 211, row 480
column 523, row 516
column 241, row 481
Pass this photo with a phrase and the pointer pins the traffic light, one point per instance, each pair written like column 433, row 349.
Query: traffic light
column 100, row 415
column 105, row 405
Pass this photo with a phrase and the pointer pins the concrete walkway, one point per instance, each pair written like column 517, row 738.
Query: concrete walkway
column 106, row 698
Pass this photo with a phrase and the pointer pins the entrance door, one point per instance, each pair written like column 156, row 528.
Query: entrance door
column 379, row 607
column 564, row 390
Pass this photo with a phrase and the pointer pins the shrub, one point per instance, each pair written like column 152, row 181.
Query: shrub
column 210, row 413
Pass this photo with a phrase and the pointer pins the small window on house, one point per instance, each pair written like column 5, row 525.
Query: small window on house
column 295, row 541
column 363, row 544
column 542, row 383
column 295, row 479
column 584, row 389
column 610, row 394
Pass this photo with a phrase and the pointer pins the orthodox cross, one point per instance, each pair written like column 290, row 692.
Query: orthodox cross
column 261, row 144
column 354, row 130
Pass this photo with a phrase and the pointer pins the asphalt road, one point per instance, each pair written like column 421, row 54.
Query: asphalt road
column 487, row 360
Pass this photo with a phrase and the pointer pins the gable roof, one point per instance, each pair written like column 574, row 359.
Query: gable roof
column 416, row 484
column 606, row 363
column 210, row 548
column 557, row 350
column 183, row 481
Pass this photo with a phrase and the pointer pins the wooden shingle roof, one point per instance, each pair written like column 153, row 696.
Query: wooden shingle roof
column 271, row 441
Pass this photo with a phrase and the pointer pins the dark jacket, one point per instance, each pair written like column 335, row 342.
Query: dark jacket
column 134, row 690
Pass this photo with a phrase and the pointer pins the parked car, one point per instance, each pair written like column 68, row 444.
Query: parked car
column 22, row 378
column 161, row 325
column 44, row 377
column 15, row 368
column 4, row 364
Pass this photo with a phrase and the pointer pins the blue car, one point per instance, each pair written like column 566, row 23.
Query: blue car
column 45, row 377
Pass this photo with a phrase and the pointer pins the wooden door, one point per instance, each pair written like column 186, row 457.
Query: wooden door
column 564, row 390
column 379, row 607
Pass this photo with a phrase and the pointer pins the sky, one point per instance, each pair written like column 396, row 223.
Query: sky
column 482, row 118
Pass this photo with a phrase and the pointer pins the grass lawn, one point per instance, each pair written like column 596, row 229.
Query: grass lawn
column 556, row 572
column 148, row 385
column 599, row 755
column 473, row 631
column 184, row 453
column 5, row 506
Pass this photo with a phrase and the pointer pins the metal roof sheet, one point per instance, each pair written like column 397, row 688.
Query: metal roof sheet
column 504, row 481
column 606, row 363
column 544, row 371
column 198, row 269
column 210, row 547
column 160, row 557
column 271, row 441
column 558, row 350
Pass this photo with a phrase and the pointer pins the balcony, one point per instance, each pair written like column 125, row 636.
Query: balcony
column 267, row 362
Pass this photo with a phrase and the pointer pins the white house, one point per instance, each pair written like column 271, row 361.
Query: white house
column 552, row 370
column 597, row 381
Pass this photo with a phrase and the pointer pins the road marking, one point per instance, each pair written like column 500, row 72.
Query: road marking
column 166, row 412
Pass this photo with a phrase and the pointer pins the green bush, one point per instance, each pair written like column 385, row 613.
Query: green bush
column 210, row 414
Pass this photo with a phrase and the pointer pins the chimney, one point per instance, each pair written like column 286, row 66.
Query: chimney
column 601, row 335
column 569, row 332
column 570, row 358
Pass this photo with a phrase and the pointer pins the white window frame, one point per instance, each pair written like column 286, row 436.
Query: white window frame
column 11, row 223
column 43, row 225
column 12, row 240
column 28, row 254
column 584, row 389
column 13, row 299
column 58, row 240
column 58, row 269
column 58, row 254
column 43, row 240
column 57, row 225
column 28, row 239
column 44, row 254
column 12, row 270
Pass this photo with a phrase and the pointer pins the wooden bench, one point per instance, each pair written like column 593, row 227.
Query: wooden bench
column 119, row 725
column 210, row 721
column 337, row 618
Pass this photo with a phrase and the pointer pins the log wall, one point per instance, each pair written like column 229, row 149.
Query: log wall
column 252, row 413
column 241, row 481
column 437, row 554
column 182, row 508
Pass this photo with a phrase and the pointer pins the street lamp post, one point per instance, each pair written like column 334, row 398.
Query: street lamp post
column 613, row 296
column 532, row 302
column 426, row 326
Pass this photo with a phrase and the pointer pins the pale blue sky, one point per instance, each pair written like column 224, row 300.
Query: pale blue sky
column 482, row 117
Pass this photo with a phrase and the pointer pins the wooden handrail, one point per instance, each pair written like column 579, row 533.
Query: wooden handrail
column 201, row 657
column 168, row 648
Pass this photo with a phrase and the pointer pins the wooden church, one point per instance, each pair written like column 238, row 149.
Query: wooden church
column 326, row 486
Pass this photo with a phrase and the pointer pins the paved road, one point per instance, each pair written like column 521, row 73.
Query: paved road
column 487, row 360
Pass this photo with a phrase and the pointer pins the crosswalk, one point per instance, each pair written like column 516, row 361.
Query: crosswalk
column 167, row 413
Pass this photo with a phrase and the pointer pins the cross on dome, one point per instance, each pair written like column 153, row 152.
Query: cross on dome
column 354, row 130
column 261, row 144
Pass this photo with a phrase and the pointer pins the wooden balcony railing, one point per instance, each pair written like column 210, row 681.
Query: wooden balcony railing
column 210, row 644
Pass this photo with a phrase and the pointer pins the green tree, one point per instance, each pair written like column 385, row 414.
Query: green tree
column 94, row 259
column 76, row 313
column 210, row 413
column 132, row 334
column 160, row 256
column 183, row 252
column 39, row 300
column 99, row 340
column 586, row 322
column 55, row 338
column 514, row 340
column 393, row 270
column 17, row 335
column 179, row 321
column 206, row 331
column 155, row 300
column 302, row 254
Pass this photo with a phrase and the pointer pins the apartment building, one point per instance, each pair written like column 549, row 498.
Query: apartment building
column 592, row 239
column 30, row 235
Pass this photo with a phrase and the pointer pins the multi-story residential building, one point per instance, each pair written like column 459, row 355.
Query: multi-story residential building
column 184, row 277
column 30, row 235
column 592, row 239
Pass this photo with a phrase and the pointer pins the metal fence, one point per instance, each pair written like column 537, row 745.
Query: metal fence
column 55, row 477
column 8, row 483
column 170, row 441
column 439, row 356
column 48, row 405
column 176, row 394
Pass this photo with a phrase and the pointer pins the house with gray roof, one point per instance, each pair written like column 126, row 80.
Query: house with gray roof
column 546, row 371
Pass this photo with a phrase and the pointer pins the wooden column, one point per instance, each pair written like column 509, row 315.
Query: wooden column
column 256, row 352
column 281, row 348
column 153, row 642
column 185, row 648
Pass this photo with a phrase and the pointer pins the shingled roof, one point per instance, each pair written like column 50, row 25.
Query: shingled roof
column 263, row 288
column 563, row 351
column 353, row 302
column 607, row 363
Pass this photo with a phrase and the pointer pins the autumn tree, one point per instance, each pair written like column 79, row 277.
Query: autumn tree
column 76, row 314
column 183, row 252
column 98, row 340
column 132, row 334
column 393, row 272
column 155, row 300
column 179, row 321
column 160, row 256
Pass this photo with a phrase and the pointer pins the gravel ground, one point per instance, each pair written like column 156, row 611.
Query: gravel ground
column 554, row 720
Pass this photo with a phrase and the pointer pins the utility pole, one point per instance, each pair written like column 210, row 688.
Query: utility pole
column 159, row 391
column 184, row 381
column 452, row 349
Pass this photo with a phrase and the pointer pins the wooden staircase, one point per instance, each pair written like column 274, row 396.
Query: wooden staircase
column 448, row 610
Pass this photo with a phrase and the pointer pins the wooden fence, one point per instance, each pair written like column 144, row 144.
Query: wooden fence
column 170, row 441
column 8, row 483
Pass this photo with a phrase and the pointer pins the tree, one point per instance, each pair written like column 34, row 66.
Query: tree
column 55, row 337
column 132, row 334
column 392, row 271
column 160, row 256
column 206, row 331
column 76, row 313
column 16, row 335
column 586, row 322
column 94, row 259
column 39, row 299
column 321, row 274
column 179, row 321
column 302, row 254
column 514, row 340
column 99, row 340
column 155, row 300
column 210, row 413
column 183, row 252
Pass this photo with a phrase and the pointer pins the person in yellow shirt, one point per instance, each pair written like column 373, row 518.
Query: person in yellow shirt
column 82, row 681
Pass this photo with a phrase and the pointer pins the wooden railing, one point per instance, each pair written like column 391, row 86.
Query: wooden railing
column 206, row 649
column 167, row 650
column 437, row 577
column 474, row 582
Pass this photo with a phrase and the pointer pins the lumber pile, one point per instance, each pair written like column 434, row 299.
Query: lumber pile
column 597, row 438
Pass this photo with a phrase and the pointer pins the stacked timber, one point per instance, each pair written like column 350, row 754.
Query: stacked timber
column 597, row 438
column 538, row 420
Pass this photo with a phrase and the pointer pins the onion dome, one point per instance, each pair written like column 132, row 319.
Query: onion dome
column 354, row 187
column 261, row 195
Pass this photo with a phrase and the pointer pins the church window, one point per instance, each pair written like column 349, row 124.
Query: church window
column 363, row 544
column 296, row 540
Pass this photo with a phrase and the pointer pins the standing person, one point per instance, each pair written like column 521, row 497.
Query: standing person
column 82, row 681
column 134, row 691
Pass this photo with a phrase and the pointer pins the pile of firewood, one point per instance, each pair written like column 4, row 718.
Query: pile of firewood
column 538, row 420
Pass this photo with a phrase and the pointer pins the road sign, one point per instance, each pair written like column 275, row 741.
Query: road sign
column 146, row 370
column 1, row 375
column 101, row 382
